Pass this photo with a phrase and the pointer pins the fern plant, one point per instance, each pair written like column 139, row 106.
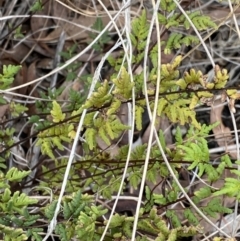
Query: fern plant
column 81, row 216
column 16, row 221
column 179, row 95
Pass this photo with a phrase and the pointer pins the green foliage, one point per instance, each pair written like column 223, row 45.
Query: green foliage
column 17, row 109
column 176, row 40
column 14, row 175
column 231, row 186
column 40, row 124
column 123, row 86
column 168, row 6
column 81, row 217
column 86, row 228
column 37, row 6
column 7, row 78
column 72, row 68
column 106, row 127
column 100, row 97
column 55, row 136
column 76, row 100
column 49, row 96
column 18, row 33
column 195, row 150
column 140, row 30
column 6, row 140
column 104, row 39
column 50, row 209
column 56, row 113
column 15, row 220
column 215, row 207
column 12, row 233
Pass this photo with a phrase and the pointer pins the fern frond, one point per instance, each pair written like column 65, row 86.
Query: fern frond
column 56, row 113
column 174, row 218
column 123, row 86
column 50, row 209
column 7, row 78
column 54, row 136
column 140, row 29
column 61, row 231
column 214, row 207
column 231, row 187
column 200, row 21
column 203, row 192
column 114, row 107
column 167, row 5
column 100, row 97
column 138, row 116
column 15, row 175
column 16, row 234
column 190, row 216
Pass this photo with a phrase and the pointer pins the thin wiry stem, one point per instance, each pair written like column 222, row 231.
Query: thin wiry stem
column 151, row 116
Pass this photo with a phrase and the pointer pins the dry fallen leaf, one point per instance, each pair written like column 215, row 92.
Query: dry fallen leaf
column 222, row 133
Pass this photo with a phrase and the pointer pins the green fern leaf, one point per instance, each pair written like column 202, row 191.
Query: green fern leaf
column 6, row 195
column 190, row 216
column 162, row 103
column 189, row 40
column 17, row 109
column 90, row 136
column 145, row 225
column 194, row 102
column 104, row 135
column 109, row 130
column 162, row 139
column 56, row 113
column 173, row 235
column 152, row 174
column 203, row 192
column 7, row 78
column 116, row 221
column 221, row 77
column 22, row 200
column 215, row 207
column 56, row 141
column 15, row 175
column 226, row 159
column 159, row 199
column 46, row 147
column 50, row 209
column 100, row 97
column 167, row 5
column 178, row 136
column 174, row 218
column 61, row 231
column 138, row 114
column 140, row 30
column 162, row 19
column 231, row 188
column 123, row 86
column 114, row 107
column 138, row 153
column 127, row 228
column 212, row 173
column 134, row 179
